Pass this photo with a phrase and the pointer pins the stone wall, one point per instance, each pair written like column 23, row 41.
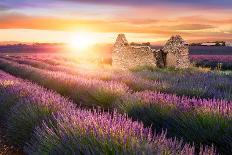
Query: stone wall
column 126, row 56
column 177, row 52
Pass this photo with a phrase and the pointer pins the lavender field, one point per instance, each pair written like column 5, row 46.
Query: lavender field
column 71, row 108
column 220, row 62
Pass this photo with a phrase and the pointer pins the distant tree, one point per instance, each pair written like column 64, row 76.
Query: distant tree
column 223, row 43
column 217, row 43
column 132, row 43
column 220, row 43
column 146, row 44
column 195, row 44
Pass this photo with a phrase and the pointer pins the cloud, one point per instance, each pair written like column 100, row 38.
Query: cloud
column 163, row 28
column 225, row 3
column 15, row 20
column 198, row 3
column 4, row 8
column 190, row 27
column 137, row 21
column 21, row 21
column 204, row 19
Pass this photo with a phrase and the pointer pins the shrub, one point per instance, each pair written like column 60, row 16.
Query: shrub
column 82, row 132
column 199, row 121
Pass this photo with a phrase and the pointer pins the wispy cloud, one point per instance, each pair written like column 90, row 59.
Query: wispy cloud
column 14, row 20
column 4, row 7
column 154, row 2
column 159, row 18
column 190, row 27
column 193, row 3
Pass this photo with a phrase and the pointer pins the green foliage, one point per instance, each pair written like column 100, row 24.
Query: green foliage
column 191, row 126
column 143, row 67
column 22, row 120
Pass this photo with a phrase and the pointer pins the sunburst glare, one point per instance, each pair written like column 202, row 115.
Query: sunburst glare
column 82, row 41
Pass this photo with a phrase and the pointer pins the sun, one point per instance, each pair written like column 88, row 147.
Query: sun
column 82, row 41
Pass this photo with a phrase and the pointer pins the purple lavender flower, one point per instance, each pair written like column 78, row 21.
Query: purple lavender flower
column 63, row 128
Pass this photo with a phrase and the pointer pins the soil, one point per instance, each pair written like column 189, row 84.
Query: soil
column 5, row 147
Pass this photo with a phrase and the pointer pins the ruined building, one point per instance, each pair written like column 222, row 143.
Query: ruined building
column 175, row 53
column 127, row 55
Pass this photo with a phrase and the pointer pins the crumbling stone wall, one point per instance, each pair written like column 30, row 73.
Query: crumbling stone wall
column 175, row 53
column 126, row 56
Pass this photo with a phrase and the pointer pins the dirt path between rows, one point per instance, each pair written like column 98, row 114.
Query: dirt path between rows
column 5, row 147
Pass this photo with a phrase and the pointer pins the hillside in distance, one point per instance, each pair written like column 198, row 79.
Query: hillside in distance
column 101, row 48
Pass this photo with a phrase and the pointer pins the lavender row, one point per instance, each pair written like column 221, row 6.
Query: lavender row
column 47, row 58
column 222, row 62
column 26, row 102
column 136, row 83
column 201, row 121
column 85, row 91
column 161, row 108
column 54, row 125
column 97, row 90
column 210, row 106
column 192, row 82
column 218, row 58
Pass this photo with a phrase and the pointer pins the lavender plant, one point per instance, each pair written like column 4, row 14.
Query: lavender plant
column 213, row 61
column 134, row 82
column 25, row 105
column 85, row 132
column 88, row 92
column 201, row 121
column 174, row 117
column 64, row 129
column 191, row 82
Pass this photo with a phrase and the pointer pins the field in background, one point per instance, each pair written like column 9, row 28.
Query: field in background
column 219, row 58
column 201, row 56
column 210, row 50
column 207, row 50
column 54, row 48
column 218, row 62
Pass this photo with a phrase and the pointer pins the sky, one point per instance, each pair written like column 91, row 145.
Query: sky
column 141, row 20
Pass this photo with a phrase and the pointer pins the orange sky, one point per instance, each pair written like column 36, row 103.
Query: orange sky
column 60, row 20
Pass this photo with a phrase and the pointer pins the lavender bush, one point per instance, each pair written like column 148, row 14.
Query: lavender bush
column 223, row 62
column 25, row 102
column 191, row 82
column 134, row 82
column 172, row 115
column 88, row 92
column 64, row 129
column 202, row 121
column 84, row 132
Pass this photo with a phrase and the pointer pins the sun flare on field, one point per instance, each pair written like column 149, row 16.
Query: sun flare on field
column 82, row 41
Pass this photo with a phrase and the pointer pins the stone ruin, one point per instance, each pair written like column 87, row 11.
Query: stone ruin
column 127, row 55
column 175, row 54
